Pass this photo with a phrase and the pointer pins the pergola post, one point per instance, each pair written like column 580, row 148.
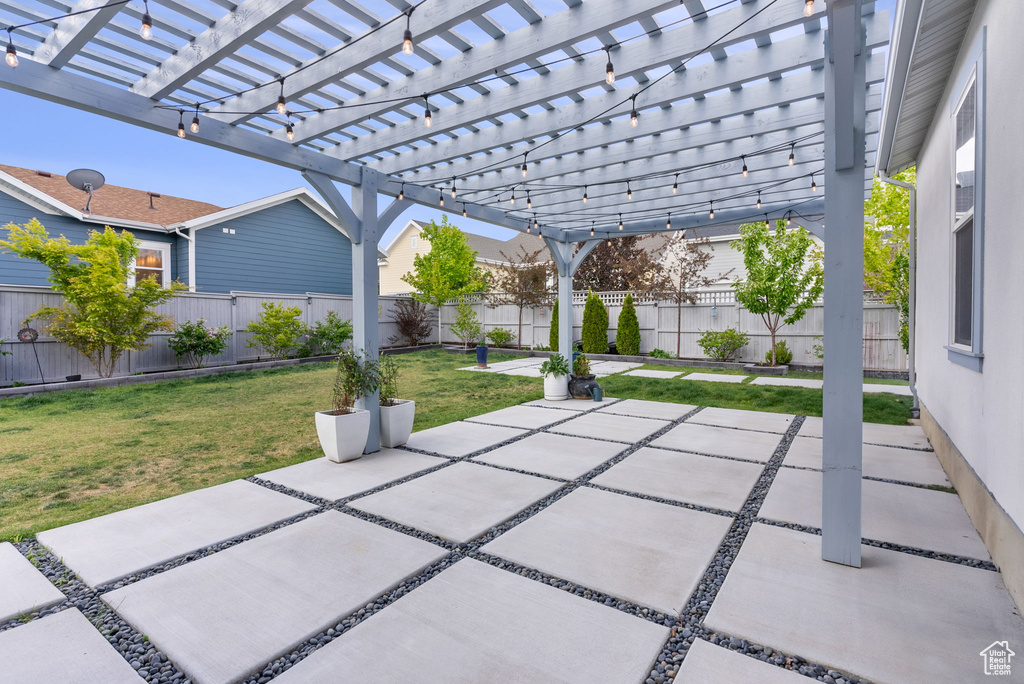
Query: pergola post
column 363, row 227
column 844, row 278
column 567, row 263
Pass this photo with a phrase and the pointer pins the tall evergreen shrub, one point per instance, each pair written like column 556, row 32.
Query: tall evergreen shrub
column 627, row 337
column 595, row 326
column 553, row 335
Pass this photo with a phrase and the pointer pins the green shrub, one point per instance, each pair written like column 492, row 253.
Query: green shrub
column 196, row 341
column 782, row 354
column 387, row 371
column 581, row 365
column 466, row 326
column 500, row 337
column 722, row 345
column 553, row 334
column 4, row 352
column 595, row 326
column 356, row 377
column 660, row 354
column 277, row 330
column 627, row 337
column 327, row 336
column 554, row 365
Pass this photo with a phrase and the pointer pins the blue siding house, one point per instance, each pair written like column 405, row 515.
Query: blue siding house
column 289, row 243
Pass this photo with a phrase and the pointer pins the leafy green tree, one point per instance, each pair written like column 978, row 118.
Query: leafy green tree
column 466, row 326
column 523, row 282
column 784, row 274
column 448, row 270
column 595, row 326
column 627, row 336
column 277, row 330
column 102, row 317
column 887, row 246
column 553, row 333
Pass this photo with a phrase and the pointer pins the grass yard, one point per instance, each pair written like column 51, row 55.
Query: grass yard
column 69, row 456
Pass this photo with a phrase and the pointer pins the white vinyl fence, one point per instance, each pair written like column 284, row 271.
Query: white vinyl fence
column 716, row 309
column 235, row 311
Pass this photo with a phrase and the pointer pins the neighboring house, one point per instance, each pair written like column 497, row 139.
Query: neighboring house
column 952, row 108
column 408, row 243
column 287, row 243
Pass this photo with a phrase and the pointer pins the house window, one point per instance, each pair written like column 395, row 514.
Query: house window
column 152, row 262
column 415, row 241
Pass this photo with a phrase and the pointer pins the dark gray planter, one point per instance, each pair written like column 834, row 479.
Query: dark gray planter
column 579, row 386
column 766, row 370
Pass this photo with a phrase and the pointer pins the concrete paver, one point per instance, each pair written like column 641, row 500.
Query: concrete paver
column 690, row 478
column 329, row 480
column 475, row 623
column 652, row 554
column 526, row 417
column 643, row 373
column 641, row 408
column 113, row 546
column 222, row 616
column 719, row 441
column 900, row 618
column 715, row 377
column 63, row 647
column 460, row 502
column 890, row 463
column 553, row 455
column 23, row 589
column 907, row 436
column 744, row 420
column 611, row 426
column 706, row 663
column 900, row 514
column 460, row 439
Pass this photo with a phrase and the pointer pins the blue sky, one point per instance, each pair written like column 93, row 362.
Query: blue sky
column 50, row 137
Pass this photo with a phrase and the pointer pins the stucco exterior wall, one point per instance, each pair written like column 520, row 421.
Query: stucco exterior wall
column 981, row 412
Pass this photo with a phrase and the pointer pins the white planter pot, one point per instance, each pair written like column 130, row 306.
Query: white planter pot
column 396, row 422
column 556, row 387
column 343, row 437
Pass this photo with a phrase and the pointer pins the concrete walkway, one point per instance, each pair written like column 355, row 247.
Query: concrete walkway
column 622, row 541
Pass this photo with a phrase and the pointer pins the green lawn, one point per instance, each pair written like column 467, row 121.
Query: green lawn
column 68, row 456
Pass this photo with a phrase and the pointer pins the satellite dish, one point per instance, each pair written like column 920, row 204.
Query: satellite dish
column 88, row 181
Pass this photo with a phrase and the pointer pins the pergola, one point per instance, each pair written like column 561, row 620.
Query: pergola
column 662, row 114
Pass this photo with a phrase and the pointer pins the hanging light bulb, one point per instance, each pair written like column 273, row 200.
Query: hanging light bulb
column 609, row 240
column 535, row 224
column 195, row 120
column 524, row 166
column 675, row 185
column 181, row 123
column 464, row 214
column 12, row 54
column 426, row 112
column 529, row 202
column 584, row 194
column 711, row 215
column 808, row 8
column 591, row 229
column 814, row 186
column 758, row 199
column 146, row 30
column 401, row 192
column 792, row 154
column 289, row 130
column 609, row 70
column 282, row 108
column 668, row 224
column 407, row 39
column 766, row 220
column 620, row 221
column 453, row 188
column 440, row 197
column 744, row 160
column 788, row 219
column 629, row 191
column 634, row 116
column 512, row 199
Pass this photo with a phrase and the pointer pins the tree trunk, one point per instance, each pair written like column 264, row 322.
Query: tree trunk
column 773, row 347
column 519, row 336
column 679, row 326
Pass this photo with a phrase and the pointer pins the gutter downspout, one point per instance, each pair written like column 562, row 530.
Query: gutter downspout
column 191, row 237
column 912, row 238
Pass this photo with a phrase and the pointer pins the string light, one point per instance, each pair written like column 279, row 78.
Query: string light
column 282, row 108
column 146, row 30
column 440, row 196
column 535, row 224
column 675, row 185
column 289, row 130
column 792, row 154
column 529, row 202
column 758, row 199
column 788, row 219
column 181, row 123
column 711, row 215
column 524, row 166
column 195, row 120
column 453, row 187
column 512, row 199
column 744, row 160
column 464, row 213
column 407, row 45
column 12, row 54
column 766, row 221
column 620, row 221
column 814, row 186
column 629, row 191
column 401, row 192
column 426, row 112
column 609, row 240
column 634, row 116
column 584, row 194
column 668, row 224
column 808, row 8
column 609, row 70
column 591, row 229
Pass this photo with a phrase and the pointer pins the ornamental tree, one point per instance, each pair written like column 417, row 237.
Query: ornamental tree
column 627, row 334
column 523, row 282
column 102, row 316
column 784, row 274
column 887, row 246
column 685, row 261
column 624, row 264
column 447, row 271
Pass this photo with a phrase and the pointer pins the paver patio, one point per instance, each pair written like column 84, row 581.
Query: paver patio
column 23, row 589
column 458, row 595
column 906, row 436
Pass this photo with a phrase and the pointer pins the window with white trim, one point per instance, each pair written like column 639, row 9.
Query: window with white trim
column 153, row 261
column 415, row 241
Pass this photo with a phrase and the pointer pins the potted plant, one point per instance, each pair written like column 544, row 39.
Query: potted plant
column 581, row 382
column 396, row 415
column 556, row 377
column 344, row 429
